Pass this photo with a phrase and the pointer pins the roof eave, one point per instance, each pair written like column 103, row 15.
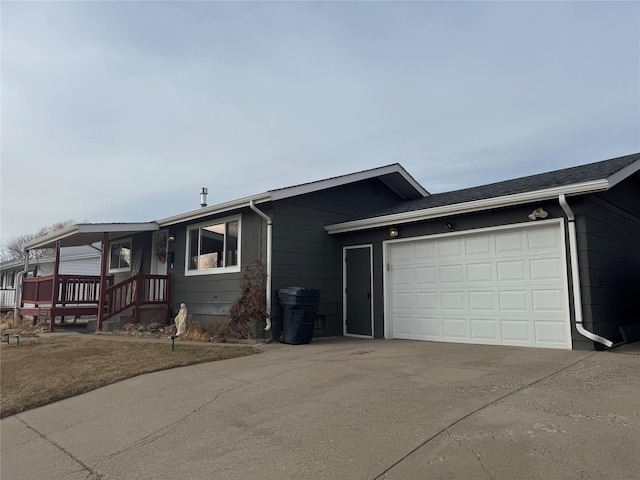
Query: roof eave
column 213, row 209
column 468, row 207
column 88, row 229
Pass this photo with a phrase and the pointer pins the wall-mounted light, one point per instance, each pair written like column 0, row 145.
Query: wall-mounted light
column 393, row 232
column 538, row 213
column 172, row 237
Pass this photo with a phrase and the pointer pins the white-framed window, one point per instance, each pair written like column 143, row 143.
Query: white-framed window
column 120, row 256
column 213, row 247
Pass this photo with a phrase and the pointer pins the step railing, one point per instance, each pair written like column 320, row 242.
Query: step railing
column 137, row 291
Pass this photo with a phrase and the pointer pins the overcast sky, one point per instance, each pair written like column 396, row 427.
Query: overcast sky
column 121, row 111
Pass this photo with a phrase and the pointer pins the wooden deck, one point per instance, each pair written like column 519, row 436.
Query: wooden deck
column 78, row 295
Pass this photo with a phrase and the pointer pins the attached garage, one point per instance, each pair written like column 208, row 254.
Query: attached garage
column 499, row 286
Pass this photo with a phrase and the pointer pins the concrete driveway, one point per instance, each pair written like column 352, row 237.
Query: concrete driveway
column 347, row 409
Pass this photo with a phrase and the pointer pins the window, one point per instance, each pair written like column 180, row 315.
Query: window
column 214, row 247
column 120, row 256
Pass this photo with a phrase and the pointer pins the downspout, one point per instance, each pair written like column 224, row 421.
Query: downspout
column 575, row 276
column 18, row 300
column 253, row 207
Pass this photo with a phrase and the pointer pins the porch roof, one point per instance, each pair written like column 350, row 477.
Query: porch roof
column 89, row 233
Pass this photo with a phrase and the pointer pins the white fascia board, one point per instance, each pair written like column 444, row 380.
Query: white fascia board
column 341, row 180
column 38, row 243
column 468, row 207
column 117, row 227
column 49, row 240
column 623, row 174
column 213, row 210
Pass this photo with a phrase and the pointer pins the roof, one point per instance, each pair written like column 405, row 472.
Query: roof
column 394, row 176
column 89, row 233
column 578, row 180
column 66, row 253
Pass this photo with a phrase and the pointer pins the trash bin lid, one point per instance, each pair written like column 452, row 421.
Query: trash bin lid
column 298, row 292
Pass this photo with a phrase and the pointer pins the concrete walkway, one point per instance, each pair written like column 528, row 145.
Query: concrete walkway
column 347, row 409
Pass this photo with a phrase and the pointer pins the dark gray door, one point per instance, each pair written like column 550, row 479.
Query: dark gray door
column 358, row 291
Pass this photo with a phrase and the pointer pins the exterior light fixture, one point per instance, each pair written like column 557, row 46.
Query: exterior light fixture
column 172, row 237
column 393, row 232
column 538, row 213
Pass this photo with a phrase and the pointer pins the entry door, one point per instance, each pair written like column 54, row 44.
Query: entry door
column 358, row 291
column 159, row 255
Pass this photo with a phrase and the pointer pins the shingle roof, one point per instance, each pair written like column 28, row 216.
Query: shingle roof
column 558, row 178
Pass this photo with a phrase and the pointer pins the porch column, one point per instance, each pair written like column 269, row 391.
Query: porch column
column 103, row 280
column 55, row 291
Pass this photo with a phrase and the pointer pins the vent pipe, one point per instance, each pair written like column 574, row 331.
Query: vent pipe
column 203, row 196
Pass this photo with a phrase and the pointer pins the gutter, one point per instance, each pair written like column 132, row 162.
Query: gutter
column 253, row 207
column 575, row 276
column 468, row 207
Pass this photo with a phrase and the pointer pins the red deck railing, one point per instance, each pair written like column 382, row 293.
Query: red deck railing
column 71, row 290
column 139, row 290
column 75, row 295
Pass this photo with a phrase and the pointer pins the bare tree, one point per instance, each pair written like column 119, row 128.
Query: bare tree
column 11, row 249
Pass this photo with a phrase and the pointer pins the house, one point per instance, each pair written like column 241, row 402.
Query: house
column 80, row 260
column 492, row 265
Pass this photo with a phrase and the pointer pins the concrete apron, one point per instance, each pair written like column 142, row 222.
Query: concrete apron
column 347, row 409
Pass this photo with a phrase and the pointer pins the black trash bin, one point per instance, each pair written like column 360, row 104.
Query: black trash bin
column 299, row 309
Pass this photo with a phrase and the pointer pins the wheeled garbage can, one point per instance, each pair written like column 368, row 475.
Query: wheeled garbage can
column 299, row 309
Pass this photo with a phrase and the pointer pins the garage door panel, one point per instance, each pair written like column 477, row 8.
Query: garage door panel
column 546, row 269
column 484, row 329
column 425, row 250
column 453, row 301
column 455, row 328
column 478, row 245
column 449, row 248
column 451, row 274
column 403, row 276
column 428, row 326
column 549, row 332
column 516, row 330
column 514, row 270
column 548, row 301
column 482, row 301
column 427, row 276
column 403, row 301
column 427, row 300
column 506, row 286
column 542, row 239
column 514, row 301
column 480, row 272
column 509, row 241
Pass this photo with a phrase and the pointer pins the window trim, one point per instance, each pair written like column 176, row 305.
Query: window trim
column 120, row 242
column 216, row 270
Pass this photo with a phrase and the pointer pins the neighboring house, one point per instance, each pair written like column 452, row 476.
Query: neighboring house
column 392, row 261
column 79, row 260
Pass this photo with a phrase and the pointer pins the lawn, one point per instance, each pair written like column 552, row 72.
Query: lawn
column 42, row 371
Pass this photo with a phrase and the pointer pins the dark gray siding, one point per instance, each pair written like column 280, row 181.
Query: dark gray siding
column 211, row 296
column 304, row 255
column 610, row 259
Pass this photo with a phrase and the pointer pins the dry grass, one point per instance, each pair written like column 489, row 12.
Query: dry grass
column 43, row 371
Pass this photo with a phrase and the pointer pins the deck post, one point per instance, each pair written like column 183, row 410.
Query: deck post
column 55, row 289
column 103, row 280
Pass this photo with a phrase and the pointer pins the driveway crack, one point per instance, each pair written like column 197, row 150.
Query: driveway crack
column 383, row 474
column 91, row 473
column 477, row 455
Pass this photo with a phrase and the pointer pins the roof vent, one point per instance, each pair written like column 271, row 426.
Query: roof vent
column 203, row 196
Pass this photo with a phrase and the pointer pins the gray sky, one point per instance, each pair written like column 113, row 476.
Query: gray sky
column 121, row 111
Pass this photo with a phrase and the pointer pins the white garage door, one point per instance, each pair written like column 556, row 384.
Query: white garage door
column 502, row 286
